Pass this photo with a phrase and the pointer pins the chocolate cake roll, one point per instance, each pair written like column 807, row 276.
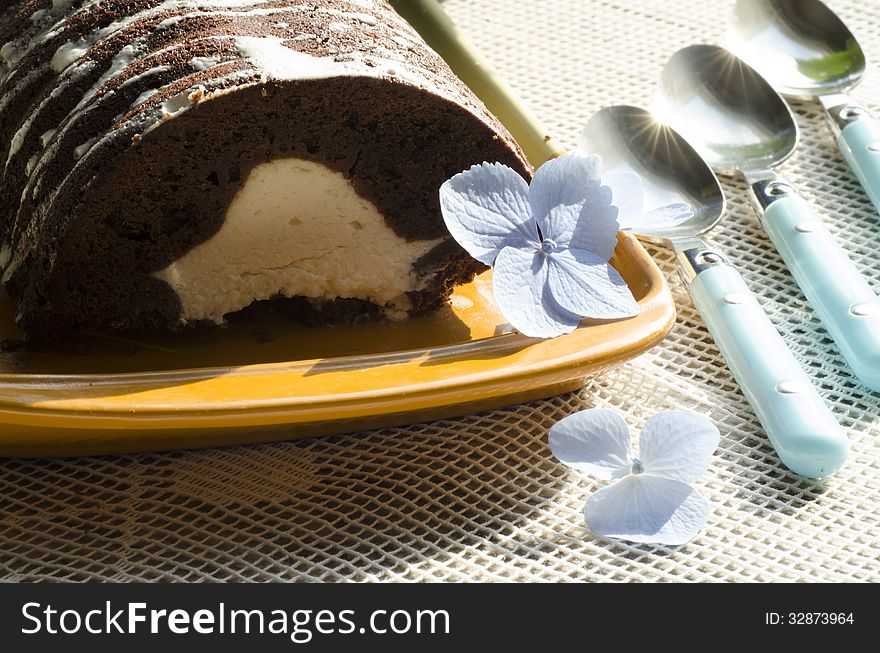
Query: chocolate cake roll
column 165, row 163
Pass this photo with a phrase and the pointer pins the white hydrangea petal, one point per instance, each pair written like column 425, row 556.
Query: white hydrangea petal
column 644, row 508
column 677, row 445
column 559, row 190
column 597, row 225
column 584, row 284
column 519, row 285
column 627, row 194
column 594, row 441
column 664, row 217
column 486, row 209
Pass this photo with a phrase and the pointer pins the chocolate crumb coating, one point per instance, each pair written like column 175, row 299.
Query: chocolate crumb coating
column 128, row 127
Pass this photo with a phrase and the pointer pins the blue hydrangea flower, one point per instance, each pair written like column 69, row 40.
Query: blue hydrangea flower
column 549, row 243
column 628, row 195
column 653, row 500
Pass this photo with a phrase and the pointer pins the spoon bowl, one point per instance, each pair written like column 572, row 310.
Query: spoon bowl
column 805, row 51
column 727, row 111
column 801, row 46
column 630, row 139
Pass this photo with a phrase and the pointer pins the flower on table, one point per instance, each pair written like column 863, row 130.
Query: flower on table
column 549, row 243
column 652, row 500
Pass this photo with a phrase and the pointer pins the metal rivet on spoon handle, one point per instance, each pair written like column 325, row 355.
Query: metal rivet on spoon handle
column 798, row 423
column 735, row 119
column 805, row 51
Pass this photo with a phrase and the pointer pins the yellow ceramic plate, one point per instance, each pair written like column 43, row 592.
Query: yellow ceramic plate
column 276, row 380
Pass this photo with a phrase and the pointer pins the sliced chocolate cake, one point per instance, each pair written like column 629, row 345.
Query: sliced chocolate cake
column 165, row 163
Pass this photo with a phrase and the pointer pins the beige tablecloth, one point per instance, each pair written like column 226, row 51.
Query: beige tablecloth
column 481, row 498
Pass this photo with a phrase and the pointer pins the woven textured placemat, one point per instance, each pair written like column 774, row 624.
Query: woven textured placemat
column 481, row 498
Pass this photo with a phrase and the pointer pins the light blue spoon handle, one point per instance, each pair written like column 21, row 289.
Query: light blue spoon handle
column 800, row 427
column 859, row 142
column 838, row 293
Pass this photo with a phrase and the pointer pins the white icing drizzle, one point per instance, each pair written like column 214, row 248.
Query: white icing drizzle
column 170, row 22
column 270, row 56
column 366, row 19
column 123, row 59
column 147, row 73
column 70, row 52
column 47, row 23
column 50, row 23
column 47, row 136
column 81, row 109
column 25, row 127
column 182, row 101
column 9, row 54
column 120, row 63
column 80, row 150
column 204, row 63
column 17, row 141
column 143, row 97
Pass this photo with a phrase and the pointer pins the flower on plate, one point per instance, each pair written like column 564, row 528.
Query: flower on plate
column 549, row 243
column 628, row 195
column 653, row 500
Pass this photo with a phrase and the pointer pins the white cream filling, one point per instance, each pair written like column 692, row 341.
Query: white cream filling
column 296, row 228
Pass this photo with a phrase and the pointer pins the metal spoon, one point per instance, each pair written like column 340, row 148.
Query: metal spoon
column 737, row 122
column 805, row 51
column 803, row 431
